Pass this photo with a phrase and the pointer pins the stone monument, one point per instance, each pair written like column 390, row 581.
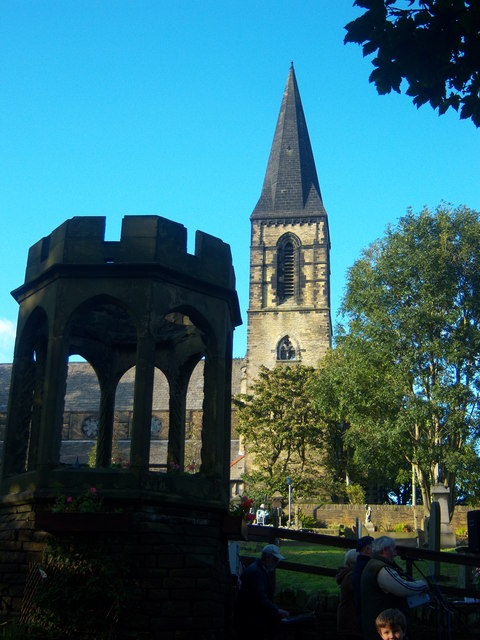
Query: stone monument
column 141, row 302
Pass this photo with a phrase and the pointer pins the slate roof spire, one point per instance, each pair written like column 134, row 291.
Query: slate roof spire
column 291, row 184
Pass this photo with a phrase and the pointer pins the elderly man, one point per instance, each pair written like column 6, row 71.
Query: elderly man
column 255, row 606
column 383, row 587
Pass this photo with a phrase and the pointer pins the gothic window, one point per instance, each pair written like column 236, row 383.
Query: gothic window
column 286, row 350
column 287, row 251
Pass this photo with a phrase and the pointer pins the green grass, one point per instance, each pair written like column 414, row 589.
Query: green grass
column 332, row 557
column 309, row 554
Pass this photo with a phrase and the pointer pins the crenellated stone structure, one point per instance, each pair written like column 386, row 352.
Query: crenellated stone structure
column 141, row 302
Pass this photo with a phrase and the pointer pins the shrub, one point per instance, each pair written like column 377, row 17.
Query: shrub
column 307, row 521
column 80, row 594
column 355, row 494
column 402, row 527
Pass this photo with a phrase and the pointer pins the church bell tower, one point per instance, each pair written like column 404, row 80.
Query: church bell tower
column 289, row 319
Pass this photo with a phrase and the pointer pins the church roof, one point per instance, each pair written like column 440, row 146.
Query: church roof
column 291, row 186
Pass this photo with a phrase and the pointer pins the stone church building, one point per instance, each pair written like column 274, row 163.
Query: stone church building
column 289, row 318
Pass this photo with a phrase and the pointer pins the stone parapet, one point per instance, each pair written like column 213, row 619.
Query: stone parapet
column 144, row 240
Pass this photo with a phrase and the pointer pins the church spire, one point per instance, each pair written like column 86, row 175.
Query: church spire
column 291, row 184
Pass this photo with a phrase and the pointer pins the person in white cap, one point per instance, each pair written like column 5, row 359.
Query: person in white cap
column 256, row 604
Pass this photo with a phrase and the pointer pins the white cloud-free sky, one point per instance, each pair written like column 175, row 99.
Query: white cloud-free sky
column 116, row 107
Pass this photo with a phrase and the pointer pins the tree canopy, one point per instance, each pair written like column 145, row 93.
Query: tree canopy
column 432, row 44
column 412, row 319
column 354, row 393
column 281, row 430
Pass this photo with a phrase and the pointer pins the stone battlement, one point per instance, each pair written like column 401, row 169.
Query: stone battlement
column 145, row 240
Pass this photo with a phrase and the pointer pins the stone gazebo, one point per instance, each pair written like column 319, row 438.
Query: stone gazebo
column 141, row 302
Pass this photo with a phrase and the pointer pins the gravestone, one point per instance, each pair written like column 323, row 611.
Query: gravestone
column 441, row 495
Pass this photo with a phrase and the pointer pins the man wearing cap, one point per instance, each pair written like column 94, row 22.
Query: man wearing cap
column 255, row 601
column 364, row 548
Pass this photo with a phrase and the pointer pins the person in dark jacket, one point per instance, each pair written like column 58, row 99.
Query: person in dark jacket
column 256, row 609
column 364, row 548
column 347, row 625
column 383, row 586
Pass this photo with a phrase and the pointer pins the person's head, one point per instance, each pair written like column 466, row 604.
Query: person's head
column 385, row 547
column 391, row 624
column 364, row 546
column 271, row 556
column 350, row 557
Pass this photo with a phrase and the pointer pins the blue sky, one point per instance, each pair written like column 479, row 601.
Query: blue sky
column 116, row 107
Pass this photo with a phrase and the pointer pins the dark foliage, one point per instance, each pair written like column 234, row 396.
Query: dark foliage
column 433, row 45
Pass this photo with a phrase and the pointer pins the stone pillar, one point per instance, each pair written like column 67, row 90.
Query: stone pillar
column 54, row 386
column 213, row 415
column 177, row 414
column 17, row 433
column 105, row 423
column 142, row 403
column 277, row 501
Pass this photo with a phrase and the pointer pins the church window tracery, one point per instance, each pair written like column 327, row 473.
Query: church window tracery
column 286, row 350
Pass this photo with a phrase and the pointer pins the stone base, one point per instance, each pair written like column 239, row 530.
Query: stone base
column 447, row 536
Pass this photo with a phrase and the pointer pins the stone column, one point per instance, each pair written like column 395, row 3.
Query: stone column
column 19, row 416
column 213, row 417
column 54, row 385
column 177, row 415
column 105, row 423
column 142, row 403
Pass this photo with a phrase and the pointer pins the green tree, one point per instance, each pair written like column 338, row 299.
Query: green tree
column 282, row 431
column 432, row 44
column 355, row 394
column 412, row 305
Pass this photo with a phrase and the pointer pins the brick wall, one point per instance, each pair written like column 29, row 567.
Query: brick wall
column 177, row 558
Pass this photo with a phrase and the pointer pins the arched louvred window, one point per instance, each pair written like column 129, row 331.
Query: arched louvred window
column 286, row 350
column 287, row 267
column 288, row 271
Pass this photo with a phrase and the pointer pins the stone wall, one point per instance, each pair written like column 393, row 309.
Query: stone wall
column 384, row 516
column 305, row 318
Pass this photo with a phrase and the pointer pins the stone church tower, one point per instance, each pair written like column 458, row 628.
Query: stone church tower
column 289, row 318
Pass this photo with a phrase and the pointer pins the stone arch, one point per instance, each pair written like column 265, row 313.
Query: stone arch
column 103, row 330
column 288, row 267
column 184, row 338
column 98, row 326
